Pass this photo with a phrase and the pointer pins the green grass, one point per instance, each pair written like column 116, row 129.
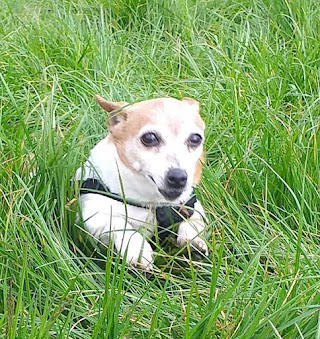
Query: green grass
column 254, row 65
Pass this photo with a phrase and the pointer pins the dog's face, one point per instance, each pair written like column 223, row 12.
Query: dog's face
column 160, row 139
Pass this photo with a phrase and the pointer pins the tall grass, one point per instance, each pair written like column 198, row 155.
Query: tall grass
column 254, row 65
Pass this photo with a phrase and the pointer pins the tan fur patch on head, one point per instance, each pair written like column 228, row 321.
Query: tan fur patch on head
column 198, row 171
column 136, row 118
column 130, row 121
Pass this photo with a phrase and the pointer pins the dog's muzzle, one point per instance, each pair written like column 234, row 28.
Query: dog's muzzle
column 174, row 183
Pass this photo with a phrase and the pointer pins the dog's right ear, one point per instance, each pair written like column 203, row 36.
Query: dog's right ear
column 116, row 108
column 191, row 102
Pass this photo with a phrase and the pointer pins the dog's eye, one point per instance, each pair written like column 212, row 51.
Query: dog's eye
column 150, row 139
column 194, row 140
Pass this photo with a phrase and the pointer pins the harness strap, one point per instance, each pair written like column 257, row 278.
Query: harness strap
column 166, row 215
column 95, row 186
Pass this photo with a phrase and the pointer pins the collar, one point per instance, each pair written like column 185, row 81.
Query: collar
column 166, row 215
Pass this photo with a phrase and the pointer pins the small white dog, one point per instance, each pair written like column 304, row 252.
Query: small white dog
column 140, row 178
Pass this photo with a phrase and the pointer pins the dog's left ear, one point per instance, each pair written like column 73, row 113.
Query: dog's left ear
column 191, row 102
column 115, row 108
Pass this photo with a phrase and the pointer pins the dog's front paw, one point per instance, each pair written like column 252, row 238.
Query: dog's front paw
column 138, row 252
column 200, row 245
column 188, row 234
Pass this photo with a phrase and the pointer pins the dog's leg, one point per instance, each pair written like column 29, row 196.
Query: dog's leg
column 189, row 230
column 127, row 241
column 131, row 243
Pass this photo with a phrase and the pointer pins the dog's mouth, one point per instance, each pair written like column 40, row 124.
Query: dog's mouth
column 168, row 193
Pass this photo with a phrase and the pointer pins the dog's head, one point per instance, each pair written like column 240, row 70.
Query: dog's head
column 160, row 139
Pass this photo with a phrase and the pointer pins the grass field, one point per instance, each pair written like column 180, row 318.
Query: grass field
column 255, row 67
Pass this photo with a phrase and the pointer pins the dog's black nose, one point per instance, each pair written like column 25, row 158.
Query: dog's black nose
column 176, row 178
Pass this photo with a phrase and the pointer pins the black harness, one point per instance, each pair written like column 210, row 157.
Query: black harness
column 166, row 215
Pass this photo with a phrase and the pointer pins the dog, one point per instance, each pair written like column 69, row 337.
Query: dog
column 143, row 170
